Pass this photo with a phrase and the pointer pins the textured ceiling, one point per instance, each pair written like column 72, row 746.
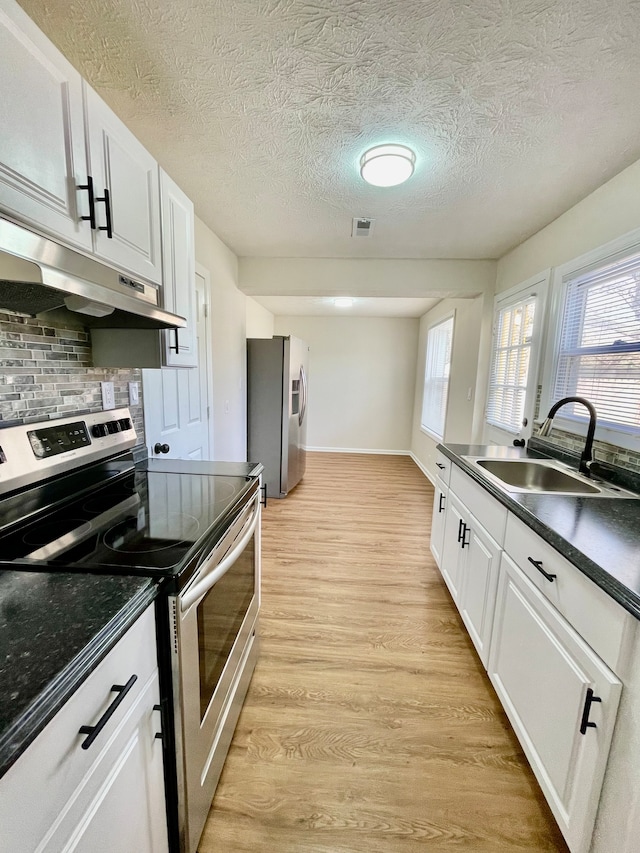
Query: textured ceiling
column 260, row 109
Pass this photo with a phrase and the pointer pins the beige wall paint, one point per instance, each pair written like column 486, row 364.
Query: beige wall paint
column 609, row 212
column 361, row 380
column 471, row 336
column 228, row 325
column 259, row 320
column 364, row 277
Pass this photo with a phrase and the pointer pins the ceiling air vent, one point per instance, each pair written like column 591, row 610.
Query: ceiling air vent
column 361, row 226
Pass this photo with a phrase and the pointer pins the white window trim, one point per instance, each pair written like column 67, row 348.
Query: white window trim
column 538, row 286
column 451, row 315
column 617, row 249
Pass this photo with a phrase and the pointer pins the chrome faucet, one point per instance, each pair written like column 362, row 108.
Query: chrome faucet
column 587, row 453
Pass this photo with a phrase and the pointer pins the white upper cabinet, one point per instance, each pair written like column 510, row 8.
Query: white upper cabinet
column 42, row 143
column 179, row 275
column 127, row 193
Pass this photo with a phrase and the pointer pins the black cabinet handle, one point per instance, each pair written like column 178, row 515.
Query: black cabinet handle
column 440, row 466
column 161, row 448
column 465, row 541
column 263, row 489
column 441, row 503
column 160, row 735
column 538, row 565
column 94, row 731
column 92, row 202
column 106, row 198
column 461, row 524
column 176, row 346
column 589, row 700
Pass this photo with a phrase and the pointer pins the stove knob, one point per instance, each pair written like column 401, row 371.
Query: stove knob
column 98, row 430
column 113, row 426
column 125, row 423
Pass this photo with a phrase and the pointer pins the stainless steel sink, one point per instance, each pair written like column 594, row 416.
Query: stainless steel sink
column 536, row 476
column 543, row 476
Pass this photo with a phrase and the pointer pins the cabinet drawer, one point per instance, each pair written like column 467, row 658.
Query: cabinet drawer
column 604, row 625
column 443, row 467
column 491, row 514
column 52, row 771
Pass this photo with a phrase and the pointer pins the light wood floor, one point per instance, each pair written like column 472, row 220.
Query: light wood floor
column 370, row 725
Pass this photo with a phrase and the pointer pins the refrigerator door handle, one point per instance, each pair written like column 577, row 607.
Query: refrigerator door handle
column 303, row 387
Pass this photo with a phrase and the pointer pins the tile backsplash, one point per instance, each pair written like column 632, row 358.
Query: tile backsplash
column 46, row 370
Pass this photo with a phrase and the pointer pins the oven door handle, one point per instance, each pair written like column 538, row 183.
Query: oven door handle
column 191, row 596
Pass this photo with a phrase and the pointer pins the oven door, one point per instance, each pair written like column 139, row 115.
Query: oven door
column 215, row 650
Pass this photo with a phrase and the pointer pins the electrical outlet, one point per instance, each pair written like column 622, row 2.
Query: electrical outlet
column 134, row 396
column 108, row 396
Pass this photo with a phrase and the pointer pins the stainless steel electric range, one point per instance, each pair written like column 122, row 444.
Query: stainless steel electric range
column 72, row 499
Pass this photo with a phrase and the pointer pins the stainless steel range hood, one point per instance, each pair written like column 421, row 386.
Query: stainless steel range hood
column 39, row 275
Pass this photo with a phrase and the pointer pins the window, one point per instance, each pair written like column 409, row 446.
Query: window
column 513, row 335
column 598, row 348
column 436, row 377
column 515, row 356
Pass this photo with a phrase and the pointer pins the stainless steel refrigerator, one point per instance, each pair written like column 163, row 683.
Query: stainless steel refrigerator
column 277, row 394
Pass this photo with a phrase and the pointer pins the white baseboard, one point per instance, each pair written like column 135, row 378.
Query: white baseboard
column 421, row 467
column 358, row 450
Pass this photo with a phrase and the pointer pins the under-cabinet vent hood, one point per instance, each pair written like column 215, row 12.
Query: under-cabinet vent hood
column 39, row 275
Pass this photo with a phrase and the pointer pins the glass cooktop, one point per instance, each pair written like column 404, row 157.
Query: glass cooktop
column 142, row 522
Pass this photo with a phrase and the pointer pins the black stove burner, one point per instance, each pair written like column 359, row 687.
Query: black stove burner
column 130, row 536
column 43, row 534
column 103, row 502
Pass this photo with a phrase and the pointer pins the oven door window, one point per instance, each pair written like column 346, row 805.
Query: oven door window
column 220, row 616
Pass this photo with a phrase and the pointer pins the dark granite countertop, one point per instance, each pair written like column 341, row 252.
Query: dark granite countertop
column 599, row 535
column 197, row 466
column 54, row 630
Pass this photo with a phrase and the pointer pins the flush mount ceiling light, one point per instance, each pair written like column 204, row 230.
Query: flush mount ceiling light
column 343, row 302
column 387, row 165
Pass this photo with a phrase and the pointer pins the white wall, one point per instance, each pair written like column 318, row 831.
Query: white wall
column 365, row 277
column 469, row 357
column 609, row 212
column 260, row 321
column 228, row 337
column 361, row 380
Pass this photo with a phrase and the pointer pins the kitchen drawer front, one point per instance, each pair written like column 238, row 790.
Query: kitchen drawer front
column 54, row 768
column 491, row 514
column 443, row 467
column 605, row 626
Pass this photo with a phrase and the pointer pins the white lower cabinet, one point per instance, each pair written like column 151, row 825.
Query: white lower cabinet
column 469, row 566
column 110, row 796
column 438, row 519
column 561, row 700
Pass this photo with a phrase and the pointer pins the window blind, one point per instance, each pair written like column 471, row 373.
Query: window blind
column 436, row 377
column 599, row 349
column 513, row 334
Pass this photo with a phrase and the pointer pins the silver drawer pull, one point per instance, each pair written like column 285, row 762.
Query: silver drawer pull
column 538, row 565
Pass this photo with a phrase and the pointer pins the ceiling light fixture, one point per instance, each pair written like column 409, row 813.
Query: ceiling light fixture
column 387, row 165
column 343, row 302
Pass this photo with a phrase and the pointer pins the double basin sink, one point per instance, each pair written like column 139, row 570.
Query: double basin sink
column 543, row 476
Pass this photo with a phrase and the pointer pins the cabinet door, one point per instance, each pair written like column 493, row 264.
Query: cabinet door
column 454, row 554
column 124, row 809
column 478, row 587
column 121, row 165
column 437, row 520
column 178, row 272
column 542, row 672
column 42, row 145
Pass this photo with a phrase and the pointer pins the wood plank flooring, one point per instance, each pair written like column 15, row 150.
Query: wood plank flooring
column 370, row 725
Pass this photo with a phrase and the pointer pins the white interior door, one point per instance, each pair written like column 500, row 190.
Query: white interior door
column 177, row 401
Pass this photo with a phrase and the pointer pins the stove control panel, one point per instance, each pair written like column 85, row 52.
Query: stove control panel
column 49, row 441
column 33, row 452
